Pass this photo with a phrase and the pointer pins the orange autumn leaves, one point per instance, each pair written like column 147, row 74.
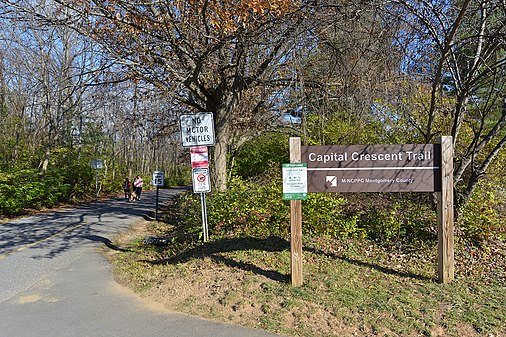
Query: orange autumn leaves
column 170, row 35
column 229, row 15
column 223, row 16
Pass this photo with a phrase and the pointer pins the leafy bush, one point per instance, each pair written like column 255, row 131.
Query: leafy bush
column 483, row 218
column 25, row 189
column 257, row 209
column 485, row 214
column 180, row 177
column 384, row 225
column 66, row 178
column 71, row 169
column 259, row 155
column 324, row 214
column 186, row 216
column 79, row 178
column 342, row 128
column 249, row 208
column 395, row 217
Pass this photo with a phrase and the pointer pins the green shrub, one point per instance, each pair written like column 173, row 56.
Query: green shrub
column 65, row 179
column 256, row 208
column 323, row 213
column 10, row 203
column 25, row 189
column 249, row 208
column 56, row 189
column 70, row 171
column 184, row 221
column 181, row 176
column 484, row 216
column 396, row 217
column 384, row 225
column 259, row 155
column 80, row 178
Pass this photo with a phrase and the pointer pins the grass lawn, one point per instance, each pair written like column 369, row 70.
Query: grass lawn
column 351, row 287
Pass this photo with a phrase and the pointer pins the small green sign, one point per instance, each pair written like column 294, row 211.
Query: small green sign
column 294, row 196
column 294, row 181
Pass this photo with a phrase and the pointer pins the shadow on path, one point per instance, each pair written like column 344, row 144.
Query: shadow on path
column 55, row 232
column 108, row 243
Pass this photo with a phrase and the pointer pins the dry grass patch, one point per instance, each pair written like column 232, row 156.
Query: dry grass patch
column 352, row 288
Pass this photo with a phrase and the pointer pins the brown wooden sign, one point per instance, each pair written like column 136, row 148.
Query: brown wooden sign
column 373, row 168
column 379, row 168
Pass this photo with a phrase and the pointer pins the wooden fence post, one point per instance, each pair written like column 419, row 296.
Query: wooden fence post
column 296, row 221
column 446, row 263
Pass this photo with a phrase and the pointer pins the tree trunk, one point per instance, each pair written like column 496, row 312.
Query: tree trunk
column 2, row 83
column 219, row 174
column 45, row 164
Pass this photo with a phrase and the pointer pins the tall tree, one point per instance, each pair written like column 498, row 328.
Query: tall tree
column 48, row 77
column 464, row 57
column 351, row 64
column 209, row 55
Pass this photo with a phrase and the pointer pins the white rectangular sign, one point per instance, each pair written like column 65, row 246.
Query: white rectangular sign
column 197, row 129
column 295, row 181
column 201, row 183
column 97, row 164
column 158, row 177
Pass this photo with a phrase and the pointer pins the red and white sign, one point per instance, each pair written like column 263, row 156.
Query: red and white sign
column 201, row 180
column 199, row 157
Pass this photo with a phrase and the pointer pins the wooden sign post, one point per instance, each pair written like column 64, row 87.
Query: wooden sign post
column 446, row 264
column 296, row 222
column 379, row 168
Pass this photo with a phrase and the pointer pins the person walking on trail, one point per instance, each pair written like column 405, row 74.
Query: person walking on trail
column 127, row 187
column 138, row 182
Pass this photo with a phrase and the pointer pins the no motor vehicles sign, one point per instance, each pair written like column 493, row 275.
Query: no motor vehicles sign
column 197, row 129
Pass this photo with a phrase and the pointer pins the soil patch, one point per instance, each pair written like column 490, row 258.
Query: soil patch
column 344, row 294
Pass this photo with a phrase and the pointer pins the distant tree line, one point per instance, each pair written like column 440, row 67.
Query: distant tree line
column 110, row 78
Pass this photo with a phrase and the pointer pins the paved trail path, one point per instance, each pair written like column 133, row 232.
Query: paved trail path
column 54, row 283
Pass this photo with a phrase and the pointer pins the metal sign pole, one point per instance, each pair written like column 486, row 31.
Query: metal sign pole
column 207, row 225
column 156, row 207
column 96, row 164
column 205, row 230
column 157, row 181
column 96, row 184
column 197, row 130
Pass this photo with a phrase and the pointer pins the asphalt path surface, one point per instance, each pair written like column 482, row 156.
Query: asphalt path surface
column 54, row 282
